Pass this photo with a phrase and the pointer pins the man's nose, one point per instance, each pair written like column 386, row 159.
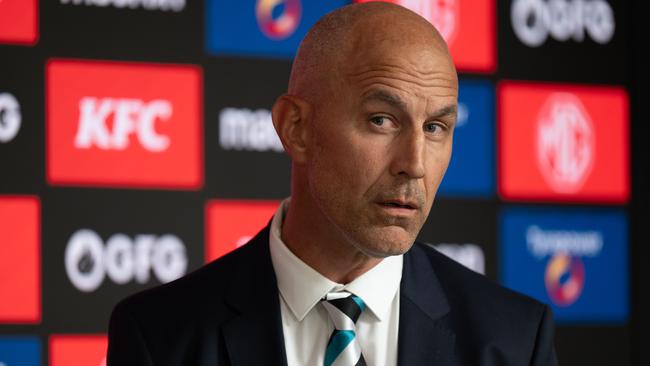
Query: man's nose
column 409, row 155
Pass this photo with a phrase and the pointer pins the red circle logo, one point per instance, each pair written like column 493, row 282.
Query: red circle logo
column 564, row 278
column 278, row 26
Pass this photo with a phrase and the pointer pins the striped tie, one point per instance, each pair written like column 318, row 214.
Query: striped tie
column 343, row 347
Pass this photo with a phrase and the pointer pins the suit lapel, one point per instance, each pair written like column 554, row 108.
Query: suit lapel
column 254, row 336
column 424, row 335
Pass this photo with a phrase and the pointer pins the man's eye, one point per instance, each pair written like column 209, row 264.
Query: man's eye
column 378, row 120
column 432, row 128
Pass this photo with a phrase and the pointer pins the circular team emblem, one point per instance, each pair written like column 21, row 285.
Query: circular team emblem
column 443, row 14
column 565, row 143
column 564, row 278
column 278, row 19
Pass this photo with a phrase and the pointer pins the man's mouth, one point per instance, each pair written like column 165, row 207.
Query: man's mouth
column 408, row 205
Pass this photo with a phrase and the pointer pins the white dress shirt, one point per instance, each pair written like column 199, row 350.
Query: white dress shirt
column 305, row 322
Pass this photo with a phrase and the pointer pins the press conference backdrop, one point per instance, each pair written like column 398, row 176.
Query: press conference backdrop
column 136, row 145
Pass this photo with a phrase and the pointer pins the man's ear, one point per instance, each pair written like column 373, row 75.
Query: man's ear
column 291, row 118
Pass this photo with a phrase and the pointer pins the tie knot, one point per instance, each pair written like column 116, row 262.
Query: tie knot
column 342, row 305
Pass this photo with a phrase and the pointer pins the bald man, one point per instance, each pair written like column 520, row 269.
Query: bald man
column 335, row 279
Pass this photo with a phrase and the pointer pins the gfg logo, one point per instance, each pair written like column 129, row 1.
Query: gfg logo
column 565, row 142
column 88, row 260
column 534, row 20
column 129, row 116
column 10, row 118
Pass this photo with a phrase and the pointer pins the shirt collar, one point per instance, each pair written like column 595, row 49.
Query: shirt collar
column 302, row 287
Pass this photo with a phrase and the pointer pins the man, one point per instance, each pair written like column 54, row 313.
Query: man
column 335, row 279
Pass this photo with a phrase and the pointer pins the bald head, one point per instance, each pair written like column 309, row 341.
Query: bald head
column 353, row 33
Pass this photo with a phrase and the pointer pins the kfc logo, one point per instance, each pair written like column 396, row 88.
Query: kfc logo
column 130, row 117
column 467, row 27
column 78, row 350
column 88, row 260
column 19, row 21
column 535, row 20
column 231, row 224
column 20, row 253
column 244, row 129
column 124, row 124
column 565, row 142
column 10, row 117
column 575, row 136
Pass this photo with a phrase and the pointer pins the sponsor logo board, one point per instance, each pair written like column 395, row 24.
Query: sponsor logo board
column 20, row 268
column 162, row 5
column 122, row 259
column 468, row 27
column 10, row 117
column 262, row 27
column 19, row 21
column 20, row 351
column 78, row 350
column 535, row 21
column 574, row 260
column 231, row 224
column 563, row 142
column 245, row 129
column 124, row 124
column 468, row 254
column 471, row 169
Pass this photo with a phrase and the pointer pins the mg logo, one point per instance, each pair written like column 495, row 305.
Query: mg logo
column 10, row 117
column 565, row 142
column 443, row 14
column 278, row 19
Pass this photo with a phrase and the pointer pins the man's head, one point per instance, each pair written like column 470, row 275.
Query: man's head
column 368, row 122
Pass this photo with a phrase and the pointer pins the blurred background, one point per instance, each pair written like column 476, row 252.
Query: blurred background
column 136, row 145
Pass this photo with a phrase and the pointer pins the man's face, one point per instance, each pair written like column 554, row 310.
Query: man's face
column 383, row 139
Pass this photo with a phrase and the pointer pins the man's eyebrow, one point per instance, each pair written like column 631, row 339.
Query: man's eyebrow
column 386, row 97
column 449, row 110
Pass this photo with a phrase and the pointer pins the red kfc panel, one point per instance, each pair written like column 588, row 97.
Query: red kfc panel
column 468, row 26
column 561, row 142
column 20, row 266
column 124, row 124
column 19, row 21
column 230, row 224
column 78, row 350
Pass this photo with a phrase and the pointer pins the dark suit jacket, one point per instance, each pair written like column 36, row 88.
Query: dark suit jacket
column 228, row 313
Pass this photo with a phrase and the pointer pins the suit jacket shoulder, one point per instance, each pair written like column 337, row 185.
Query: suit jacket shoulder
column 491, row 325
column 205, row 317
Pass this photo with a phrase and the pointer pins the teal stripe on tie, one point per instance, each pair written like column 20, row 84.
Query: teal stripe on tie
column 337, row 344
column 360, row 303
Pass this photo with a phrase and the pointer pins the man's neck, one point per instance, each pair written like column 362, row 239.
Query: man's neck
column 314, row 239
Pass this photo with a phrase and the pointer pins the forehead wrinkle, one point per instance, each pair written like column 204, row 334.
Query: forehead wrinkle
column 433, row 79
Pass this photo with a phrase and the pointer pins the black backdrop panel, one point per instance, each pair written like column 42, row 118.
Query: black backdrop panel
column 111, row 32
column 74, row 300
column 577, row 41
column 242, row 159
column 462, row 222
column 22, row 138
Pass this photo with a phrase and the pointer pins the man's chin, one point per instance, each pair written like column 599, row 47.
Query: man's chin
column 385, row 243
